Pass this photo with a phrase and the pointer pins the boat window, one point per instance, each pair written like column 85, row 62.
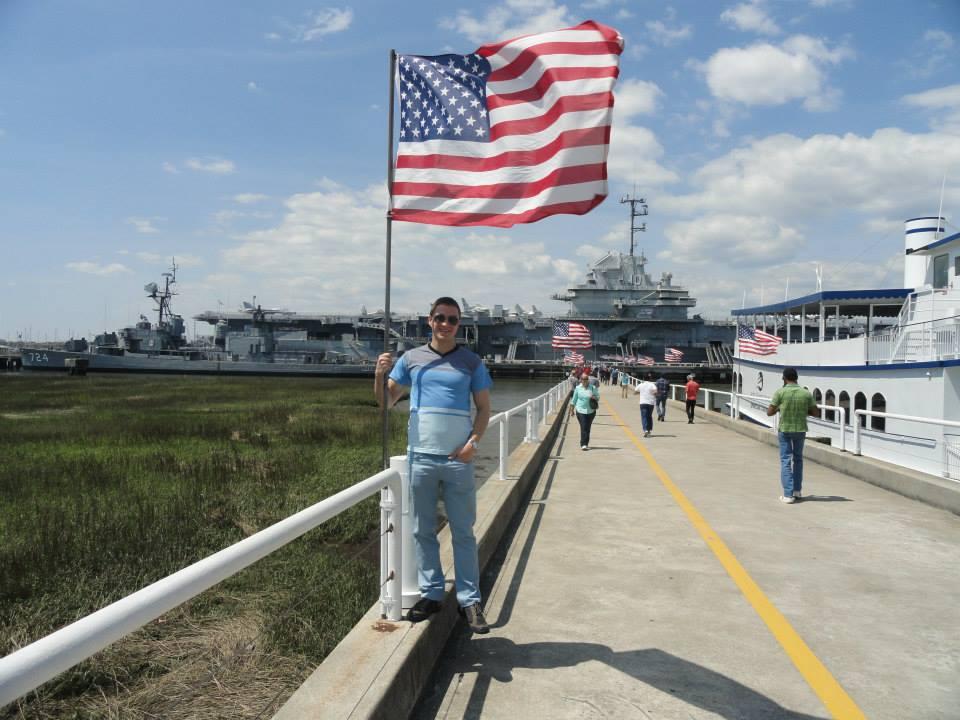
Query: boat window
column 845, row 404
column 878, row 404
column 956, row 269
column 941, row 265
column 739, row 382
column 860, row 403
column 830, row 399
column 818, row 396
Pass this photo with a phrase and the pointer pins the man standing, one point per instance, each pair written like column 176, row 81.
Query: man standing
column 442, row 441
column 663, row 391
column 647, row 391
column 693, row 387
column 793, row 403
column 624, row 383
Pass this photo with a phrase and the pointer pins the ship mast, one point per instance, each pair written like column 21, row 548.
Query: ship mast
column 635, row 212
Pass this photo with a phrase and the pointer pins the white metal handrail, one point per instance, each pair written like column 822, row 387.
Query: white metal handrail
column 536, row 410
column 894, row 416
column 35, row 664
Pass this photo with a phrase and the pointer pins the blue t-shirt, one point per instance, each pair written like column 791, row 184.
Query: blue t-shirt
column 441, row 387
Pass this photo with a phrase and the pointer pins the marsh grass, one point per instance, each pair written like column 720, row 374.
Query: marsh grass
column 110, row 483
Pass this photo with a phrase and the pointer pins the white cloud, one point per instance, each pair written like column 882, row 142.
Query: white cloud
column 92, row 268
column 143, row 225
column 741, row 240
column 943, row 104
column 765, row 74
column 634, row 155
column 250, row 198
column 253, row 87
column 635, row 97
column 509, row 19
column 325, row 22
column 183, row 260
column 939, row 39
column 169, row 167
column 327, row 254
column 795, row 179
column 751, row 17
column 663, row 34
column 214, row 165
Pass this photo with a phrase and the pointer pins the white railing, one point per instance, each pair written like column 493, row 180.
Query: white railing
column 926, row 341
column 536, row 410
column 948, row 450
column 35, row 664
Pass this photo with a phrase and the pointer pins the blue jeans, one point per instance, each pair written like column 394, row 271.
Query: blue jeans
column 646, row 417
column 432, row 477
column 585, row 420
column 662, row 408
column 791, row 461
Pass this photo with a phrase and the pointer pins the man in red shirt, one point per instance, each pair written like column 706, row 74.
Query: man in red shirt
column 693, row 387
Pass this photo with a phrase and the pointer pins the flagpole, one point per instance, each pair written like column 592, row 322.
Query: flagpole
column 385, row 410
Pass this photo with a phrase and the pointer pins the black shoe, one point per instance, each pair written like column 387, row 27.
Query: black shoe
column 473, row 614
column 424, row 608
column 689, row 422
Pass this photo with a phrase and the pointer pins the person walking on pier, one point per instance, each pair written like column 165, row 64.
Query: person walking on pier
column 693, row 387
column 624, row 384
column 442, row 442
column 793, row 403
column 585, row 401
column 663, row 391
column 647, row 390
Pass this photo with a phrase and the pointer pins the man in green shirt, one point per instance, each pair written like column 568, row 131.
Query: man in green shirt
column 793, row 403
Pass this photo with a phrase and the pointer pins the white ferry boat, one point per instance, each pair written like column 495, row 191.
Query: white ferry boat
column 884, row 363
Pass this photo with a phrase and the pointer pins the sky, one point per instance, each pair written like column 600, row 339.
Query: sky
column 249, row 141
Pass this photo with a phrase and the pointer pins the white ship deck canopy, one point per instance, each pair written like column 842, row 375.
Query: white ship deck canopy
column 884, row 303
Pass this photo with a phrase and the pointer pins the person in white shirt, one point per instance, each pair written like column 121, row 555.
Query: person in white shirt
column 647, row 390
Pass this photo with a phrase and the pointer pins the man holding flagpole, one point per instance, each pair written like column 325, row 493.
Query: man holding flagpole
column 442, row 442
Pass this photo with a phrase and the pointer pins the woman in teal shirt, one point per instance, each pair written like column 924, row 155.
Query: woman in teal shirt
column 580, row 403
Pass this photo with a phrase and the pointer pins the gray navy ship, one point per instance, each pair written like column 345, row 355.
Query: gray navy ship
column 629, row 314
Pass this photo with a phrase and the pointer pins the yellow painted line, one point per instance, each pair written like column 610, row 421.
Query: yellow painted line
column 833, row 696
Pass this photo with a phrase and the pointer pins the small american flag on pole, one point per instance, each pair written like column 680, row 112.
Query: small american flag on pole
column 570, row 335
column 672, row 355
column 571, row 357
column 756, row 342
column 644, row 360
column 513, row 133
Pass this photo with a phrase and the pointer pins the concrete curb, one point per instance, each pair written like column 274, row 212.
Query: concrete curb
column 928, row 489
column 379, row 669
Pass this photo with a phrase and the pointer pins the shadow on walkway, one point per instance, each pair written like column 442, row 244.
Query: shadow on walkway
column 495, row 658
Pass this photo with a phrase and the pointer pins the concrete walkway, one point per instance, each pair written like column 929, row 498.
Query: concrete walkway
column 661, row 578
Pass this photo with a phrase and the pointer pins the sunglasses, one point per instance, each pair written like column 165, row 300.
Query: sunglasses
column 450, row 320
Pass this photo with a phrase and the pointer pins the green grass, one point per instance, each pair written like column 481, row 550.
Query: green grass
column 110, row 483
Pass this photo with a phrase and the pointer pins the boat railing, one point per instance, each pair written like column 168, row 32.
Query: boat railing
column 950, row 450
column 926, row 341
column 44, row 659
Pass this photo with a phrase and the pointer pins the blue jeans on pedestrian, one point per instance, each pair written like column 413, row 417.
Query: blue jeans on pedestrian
column 585, row 420
column 662, row 408
column 433, row 477
column 646, row 417
column 791, row 461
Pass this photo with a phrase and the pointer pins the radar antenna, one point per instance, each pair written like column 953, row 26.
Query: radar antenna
column 638, row 208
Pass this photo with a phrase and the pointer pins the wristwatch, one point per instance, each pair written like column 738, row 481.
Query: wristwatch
column 473, row 443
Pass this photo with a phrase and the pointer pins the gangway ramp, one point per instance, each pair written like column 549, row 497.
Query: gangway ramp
column 661, row 578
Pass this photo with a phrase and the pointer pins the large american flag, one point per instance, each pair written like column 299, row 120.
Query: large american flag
column 513, row 133
column 672, row 355
column 570, row 335
column 756, row 341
